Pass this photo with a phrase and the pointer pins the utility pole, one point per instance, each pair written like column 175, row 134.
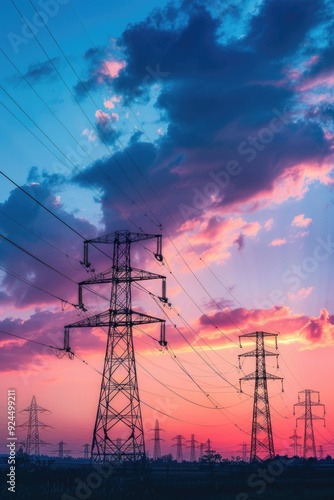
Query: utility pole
column 119, row 409
column 33, row 424
column 179, row 446
column 295, row 445
column 192, row 448
column 262, row 443
column 308, row 416
column 157, row 439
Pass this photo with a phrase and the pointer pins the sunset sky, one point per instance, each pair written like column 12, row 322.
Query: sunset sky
column 210, row 123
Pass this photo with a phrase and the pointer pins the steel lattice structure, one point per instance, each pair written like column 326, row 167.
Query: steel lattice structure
column 119, row 412
column 262, row 443
column 33, row 424
column 308, row 417
column 157, row 439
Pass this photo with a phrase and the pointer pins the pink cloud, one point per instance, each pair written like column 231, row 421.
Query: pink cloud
column 301, row 221
column 278, row 242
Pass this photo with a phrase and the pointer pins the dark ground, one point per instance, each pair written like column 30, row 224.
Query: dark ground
column 277, row 479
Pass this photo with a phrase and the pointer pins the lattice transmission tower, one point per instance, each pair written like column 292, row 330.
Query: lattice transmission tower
column 244, row 452
column 157, row 439
column 262, row 443
column 119, row 410
column 192, row 447
column 179, row 447
column 308, row 417
column 85, row 451
column 33, row 424
column 295, row 445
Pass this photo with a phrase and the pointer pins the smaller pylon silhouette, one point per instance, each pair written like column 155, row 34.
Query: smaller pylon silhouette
column 321, row 452
column 157, row 439
column 208, row 446
column 33, row 424
column 86, row 451
column 244, row 452
column 192, row 447
column 201, row 450
column 308, row 417
column 296, row 447
column 179, row 446
column 262, row 443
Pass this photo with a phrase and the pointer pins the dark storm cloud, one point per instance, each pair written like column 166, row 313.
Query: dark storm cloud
column 42, row 235
column 222, row 101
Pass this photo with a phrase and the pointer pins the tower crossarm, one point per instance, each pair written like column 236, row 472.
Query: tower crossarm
column 123, row 237
column 111, row 318
column 255, row 376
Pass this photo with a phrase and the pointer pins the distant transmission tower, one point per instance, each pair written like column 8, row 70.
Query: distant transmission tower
column 179, row 446
column 119, row 411
column 321, row 452
column 157, row 439
column 192, row 448
column 86, row 451
column 208, row 446
column 262, row 444
column 244, row 452
column 295, row 445
column 308, row 417
column 33, row 424
column 61, row 449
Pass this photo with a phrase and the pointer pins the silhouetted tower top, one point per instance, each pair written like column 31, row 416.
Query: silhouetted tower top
column 308, row 416
column 179, row 446
column 157, row 439
column 262, row 443
column 33, row 424
column 192, row 447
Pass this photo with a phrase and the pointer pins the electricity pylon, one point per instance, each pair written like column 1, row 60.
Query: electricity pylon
column 119, row 412
column 244, row 452
column 179, row 446
column 86, row 451
column 33, row 424
column 192, row 448
column 262, row 443
column 308, row 417
column 61, row 450
column 157, row 439
column 295, row 445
